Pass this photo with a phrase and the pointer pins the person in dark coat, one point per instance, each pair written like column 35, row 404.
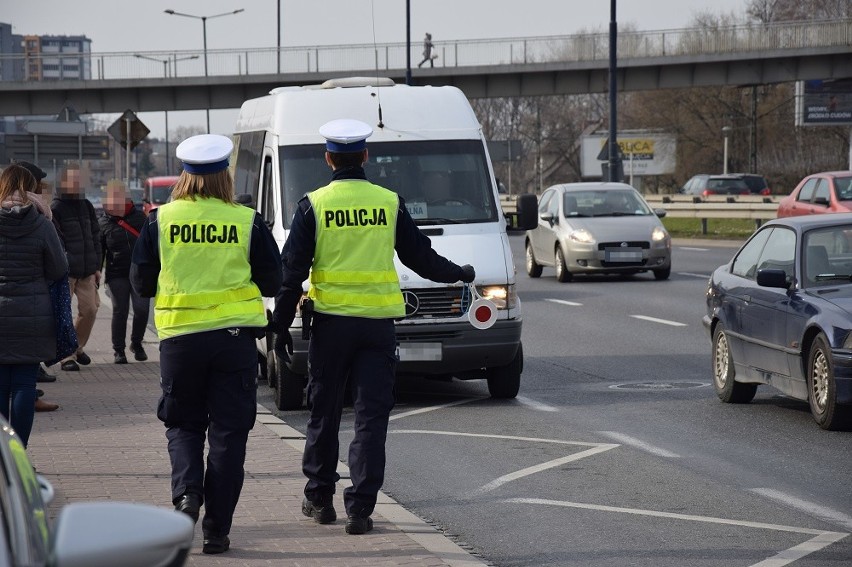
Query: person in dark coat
column 120, row 226
column 78, row 223
column 32, row 257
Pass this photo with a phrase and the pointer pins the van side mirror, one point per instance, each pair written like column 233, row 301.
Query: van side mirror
column 245, row 199
column 527, row 206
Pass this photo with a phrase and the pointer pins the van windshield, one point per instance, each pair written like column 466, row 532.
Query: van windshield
column 442, row 182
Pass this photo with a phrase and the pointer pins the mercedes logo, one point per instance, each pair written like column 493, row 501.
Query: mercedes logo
column 412, row 303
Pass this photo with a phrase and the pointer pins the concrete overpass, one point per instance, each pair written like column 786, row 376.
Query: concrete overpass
column 194, row 80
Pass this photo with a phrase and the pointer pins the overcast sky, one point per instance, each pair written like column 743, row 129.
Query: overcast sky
column 123, row 25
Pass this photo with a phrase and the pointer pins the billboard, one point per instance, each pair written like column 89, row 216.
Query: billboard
column 824, row 102
column 643, row 153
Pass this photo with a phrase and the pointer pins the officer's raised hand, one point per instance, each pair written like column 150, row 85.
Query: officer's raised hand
column 468, row 273
column 283, row 344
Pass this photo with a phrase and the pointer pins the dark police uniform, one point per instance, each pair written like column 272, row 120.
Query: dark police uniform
column 360, row 348
column 207, row 320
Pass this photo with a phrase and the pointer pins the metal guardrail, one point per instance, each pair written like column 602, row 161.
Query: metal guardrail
column 723, row 40
column 755, row 207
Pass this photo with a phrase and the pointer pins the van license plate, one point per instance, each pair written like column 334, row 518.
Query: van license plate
column 419, row 351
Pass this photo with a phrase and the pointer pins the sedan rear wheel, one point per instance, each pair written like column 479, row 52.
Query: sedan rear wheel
column 822, row 388
column 727, row 388
column 562, row 273
column 533, row 269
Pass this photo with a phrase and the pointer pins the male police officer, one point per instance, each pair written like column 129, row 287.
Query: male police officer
column 208, row 260
column 345, row 234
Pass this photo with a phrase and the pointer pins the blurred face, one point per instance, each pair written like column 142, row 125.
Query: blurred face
column 116, row 198
column 70, row 182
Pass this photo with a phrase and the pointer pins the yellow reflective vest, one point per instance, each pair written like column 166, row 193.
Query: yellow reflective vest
column 353, row 273
column 205, row 275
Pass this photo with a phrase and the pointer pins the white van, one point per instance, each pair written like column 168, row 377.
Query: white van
column 427, row 145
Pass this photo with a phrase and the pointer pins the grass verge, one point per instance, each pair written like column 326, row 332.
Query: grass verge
column 732, row 229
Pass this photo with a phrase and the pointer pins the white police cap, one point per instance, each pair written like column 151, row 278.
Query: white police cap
column 205, row 153
column 345, row 135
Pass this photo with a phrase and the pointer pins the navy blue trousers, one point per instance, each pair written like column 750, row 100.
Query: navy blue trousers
column 209, row 384
column 362, row 350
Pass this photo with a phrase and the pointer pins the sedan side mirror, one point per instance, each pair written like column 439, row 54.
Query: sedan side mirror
column 772, row 278
column 547, row 217
column 660, row 212
column 821, row 201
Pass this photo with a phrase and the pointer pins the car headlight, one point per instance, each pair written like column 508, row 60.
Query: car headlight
column 658, row 234
column 504, row 297
column 581, row 235
column 847, row 344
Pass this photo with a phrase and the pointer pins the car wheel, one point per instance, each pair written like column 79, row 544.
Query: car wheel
column 727, row 388
column 533, row 269
column 562, row 273
column 822, row 388
column 289, row 386
column 262, row 370
column 505, row 381
column 663, row 274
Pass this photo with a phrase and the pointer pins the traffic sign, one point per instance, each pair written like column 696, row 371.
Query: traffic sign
column 604, row 153
column 41, row 147
column 119, row 130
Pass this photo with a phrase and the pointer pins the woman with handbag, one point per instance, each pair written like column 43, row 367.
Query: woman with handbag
column 120, row 226
column 33, row 256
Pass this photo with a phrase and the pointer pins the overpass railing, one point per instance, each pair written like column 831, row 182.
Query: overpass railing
column 692, row 42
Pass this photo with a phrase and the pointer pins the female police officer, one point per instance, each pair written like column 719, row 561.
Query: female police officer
column 208, row 261
column 345, row 234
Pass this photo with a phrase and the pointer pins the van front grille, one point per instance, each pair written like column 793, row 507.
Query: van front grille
column 433, row 303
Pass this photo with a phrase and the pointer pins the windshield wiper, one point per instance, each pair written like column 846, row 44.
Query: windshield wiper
column 438, row 220
column 833, row 277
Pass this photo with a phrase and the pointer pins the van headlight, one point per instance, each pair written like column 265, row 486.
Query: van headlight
column 658, row 234
column 503, row 296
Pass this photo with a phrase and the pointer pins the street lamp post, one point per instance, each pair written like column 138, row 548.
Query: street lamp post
column 165, row 63
column 204, row 30
column 726, row 130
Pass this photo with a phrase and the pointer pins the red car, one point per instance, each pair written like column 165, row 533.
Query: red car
column 157, row 191
column 827, row 192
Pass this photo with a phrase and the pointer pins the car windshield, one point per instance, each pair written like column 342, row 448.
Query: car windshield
column 161, row 195
column 600, row 203
column 828, row 256
column 442, row 182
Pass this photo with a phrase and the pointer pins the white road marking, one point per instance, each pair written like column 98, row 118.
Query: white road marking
column 595, row 449
column 809, row 508
column 691, row 275
column 693, row 249
column 534, row 404
column 663, row 321
column 432, row 408
column 821, row 540
column 565, row 302
column 633, row 442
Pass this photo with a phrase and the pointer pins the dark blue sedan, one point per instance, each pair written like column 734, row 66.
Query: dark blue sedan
column 780, row 313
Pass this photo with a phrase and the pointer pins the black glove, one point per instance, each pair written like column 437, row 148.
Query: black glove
column 468, row 273
column 283, row 345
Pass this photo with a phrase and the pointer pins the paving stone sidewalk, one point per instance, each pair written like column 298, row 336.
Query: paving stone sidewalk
column 105, row 443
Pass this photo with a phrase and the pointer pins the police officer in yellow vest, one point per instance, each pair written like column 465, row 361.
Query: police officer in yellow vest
column 207, row 261
column 345, row 235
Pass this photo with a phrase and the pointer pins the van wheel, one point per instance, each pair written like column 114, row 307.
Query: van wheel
column 562, row 273
column 289, row 386
column 505, row 381
column 533, row 269
column 663, row 273
column 262, row 370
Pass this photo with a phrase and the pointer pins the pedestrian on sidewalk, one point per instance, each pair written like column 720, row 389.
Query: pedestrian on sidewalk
column 208, row 321
column 32, row 258
column 78, row 223
column 120, row 226
column 37, row 199
column 356, row 297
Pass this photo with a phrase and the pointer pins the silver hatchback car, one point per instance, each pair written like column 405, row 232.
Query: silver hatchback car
column 594, row 228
